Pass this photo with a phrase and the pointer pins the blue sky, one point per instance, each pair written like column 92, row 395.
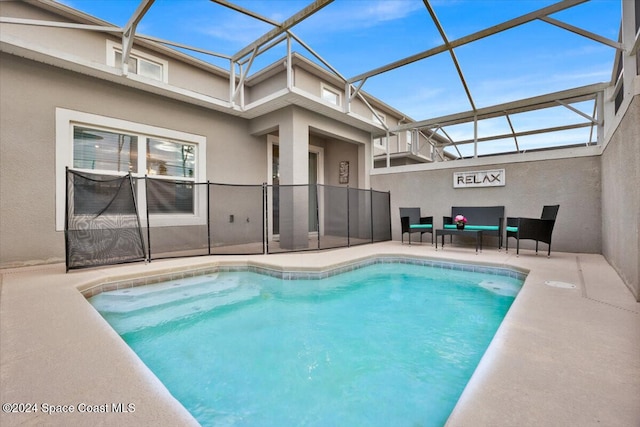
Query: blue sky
column 356, row 36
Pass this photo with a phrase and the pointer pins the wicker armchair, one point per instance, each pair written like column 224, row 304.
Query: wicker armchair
column 538, row 229
column 412, row 222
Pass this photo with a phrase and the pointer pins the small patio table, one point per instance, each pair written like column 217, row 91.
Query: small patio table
column 477, row 234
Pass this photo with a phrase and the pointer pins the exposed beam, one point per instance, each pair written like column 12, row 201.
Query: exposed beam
column 556, row 7
column 513, row 132
column 247, row 12
column 129, row 31
column 320, row 58
column 575, row 110
column 525, row 133
column 582, row 32
column 40, row 23
column 451, row 52
column 579, row 94
column 286, row 25
column 183, row 46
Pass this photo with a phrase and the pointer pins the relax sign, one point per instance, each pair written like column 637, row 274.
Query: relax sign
column 492, row 178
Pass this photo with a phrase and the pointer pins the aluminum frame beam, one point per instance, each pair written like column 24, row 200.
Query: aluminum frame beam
column 247, row 12
column 129, row 32
column 582, row 32
column 283, row 27
column 583, row 93
column 451, row 52
column 556, row 7
column 523, row 133
column 41, row 23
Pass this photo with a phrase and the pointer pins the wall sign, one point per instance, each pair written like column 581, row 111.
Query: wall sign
column 473, row 179
column 343, row 174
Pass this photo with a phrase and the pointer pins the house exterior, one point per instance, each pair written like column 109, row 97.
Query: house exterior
column 66, row 103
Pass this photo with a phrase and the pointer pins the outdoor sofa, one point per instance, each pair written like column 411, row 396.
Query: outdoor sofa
column 489, row 219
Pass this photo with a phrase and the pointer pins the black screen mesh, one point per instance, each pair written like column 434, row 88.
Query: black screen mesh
column 185, row 218
column 177, row 218
column 236, row 213
column 102, row 223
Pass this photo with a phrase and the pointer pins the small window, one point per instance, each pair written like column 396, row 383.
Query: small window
column 330, row 95
column 139, row 63
column 141, row 66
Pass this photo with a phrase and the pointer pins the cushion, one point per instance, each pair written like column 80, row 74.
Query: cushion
column 423, row 226
column 512, row 229
column 474, row 227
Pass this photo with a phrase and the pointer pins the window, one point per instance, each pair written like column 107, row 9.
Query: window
column 139, row 63
column 99, row 144
column 330, row 95
column 408, row 137
column 102, row 150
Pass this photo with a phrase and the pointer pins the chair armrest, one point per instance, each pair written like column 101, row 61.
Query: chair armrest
column 426, row 220
column 536, row 229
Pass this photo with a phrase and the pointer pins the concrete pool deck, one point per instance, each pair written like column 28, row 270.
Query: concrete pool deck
column 562, row 356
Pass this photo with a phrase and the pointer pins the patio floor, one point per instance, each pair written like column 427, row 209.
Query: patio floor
column 562, row 357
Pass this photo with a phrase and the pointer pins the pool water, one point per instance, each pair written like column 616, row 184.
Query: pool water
column 386, row 344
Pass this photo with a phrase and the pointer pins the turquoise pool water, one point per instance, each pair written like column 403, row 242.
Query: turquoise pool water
column 386, row 344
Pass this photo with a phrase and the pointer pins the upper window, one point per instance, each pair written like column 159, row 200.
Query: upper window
column 112, row 146
column 330, row 94
column 139, row 63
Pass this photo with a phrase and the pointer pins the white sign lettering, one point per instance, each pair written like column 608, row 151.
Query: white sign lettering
column 473, row 179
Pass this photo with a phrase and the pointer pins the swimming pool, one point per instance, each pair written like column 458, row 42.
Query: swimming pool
column 385, row 344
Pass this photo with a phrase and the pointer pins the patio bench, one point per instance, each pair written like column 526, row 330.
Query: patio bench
column 488, row 219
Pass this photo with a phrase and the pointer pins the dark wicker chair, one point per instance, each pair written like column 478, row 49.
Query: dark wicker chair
column 538, row 229
column 412, row 222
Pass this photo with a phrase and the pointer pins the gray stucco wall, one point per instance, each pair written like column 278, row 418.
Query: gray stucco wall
column 573, row 183
column 27, row 147
column 621, row 199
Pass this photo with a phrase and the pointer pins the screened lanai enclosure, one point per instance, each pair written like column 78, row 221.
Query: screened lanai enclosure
column 104, row 224
column 463, row 119
column 448, row 114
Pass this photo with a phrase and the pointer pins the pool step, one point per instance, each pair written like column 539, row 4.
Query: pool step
column 133, row 309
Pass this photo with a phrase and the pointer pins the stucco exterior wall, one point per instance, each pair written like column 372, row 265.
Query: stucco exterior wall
column 621, row 199
column 30, row 94
column 92, row 46
column 572, row 182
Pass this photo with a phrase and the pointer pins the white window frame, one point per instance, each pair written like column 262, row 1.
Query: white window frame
column 333, row 91
column 65, row 122
column 113, row 47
